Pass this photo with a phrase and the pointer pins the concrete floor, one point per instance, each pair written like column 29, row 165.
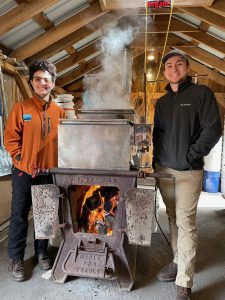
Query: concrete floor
column 209, row 282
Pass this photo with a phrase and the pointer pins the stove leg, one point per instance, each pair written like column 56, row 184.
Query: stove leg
column 57, row 271
column 126, row 267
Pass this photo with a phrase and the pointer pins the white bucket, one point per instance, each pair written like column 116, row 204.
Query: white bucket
column 65, row 101
column 222, row 183
column 213, row 159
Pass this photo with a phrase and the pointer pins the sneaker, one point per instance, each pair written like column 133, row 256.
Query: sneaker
column 16, row 269
column 44, row 262
column 168, row 273
column 183, row 293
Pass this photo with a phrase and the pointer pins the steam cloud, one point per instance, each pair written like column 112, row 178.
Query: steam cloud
column 104, row 90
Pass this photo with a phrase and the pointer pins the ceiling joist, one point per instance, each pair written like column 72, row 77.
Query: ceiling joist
column 123, row 4
column 58, row 32
column 206, row 15
column 210, row 41
column 76, row 36
column 75, row 57
column 218, row 7
column 22, row 13
column 80, row 71
column 205, row 57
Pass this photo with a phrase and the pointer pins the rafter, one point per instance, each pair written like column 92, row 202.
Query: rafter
column 122, row 4
column 158, row 40
column 206, row 15
column 40, row 18
column 43, row 21
column 80, row 71
column 202, row 69
column 58, row 32
column 22, row 13
column 205, row 57
column 218, row 7
column 76, row 36
column 76, row 86
column 208, row 40
column 75, row 57
column 160, row 24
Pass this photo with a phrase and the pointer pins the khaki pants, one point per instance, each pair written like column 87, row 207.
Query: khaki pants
column 181, row 197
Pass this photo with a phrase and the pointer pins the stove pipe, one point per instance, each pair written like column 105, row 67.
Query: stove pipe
column 126, row 74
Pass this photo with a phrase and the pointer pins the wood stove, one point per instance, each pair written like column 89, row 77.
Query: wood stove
column 95, row 153
column 94, row 255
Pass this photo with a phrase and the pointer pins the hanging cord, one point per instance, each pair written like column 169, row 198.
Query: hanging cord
column 165, row 44
column 145, row 60
column 164, row 49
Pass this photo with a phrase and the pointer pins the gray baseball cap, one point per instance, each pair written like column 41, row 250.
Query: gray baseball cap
column 174, row 53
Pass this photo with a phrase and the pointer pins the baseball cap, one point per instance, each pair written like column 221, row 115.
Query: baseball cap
column 174, row 53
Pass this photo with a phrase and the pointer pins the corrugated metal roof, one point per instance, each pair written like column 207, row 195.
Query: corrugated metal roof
column 29, row 30
column 6, row 5
column 21, row 34
column 64, row 9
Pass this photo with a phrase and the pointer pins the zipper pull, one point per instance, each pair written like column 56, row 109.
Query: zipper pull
column 49, row 125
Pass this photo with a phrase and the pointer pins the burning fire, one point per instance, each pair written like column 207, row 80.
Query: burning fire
column 98, row 210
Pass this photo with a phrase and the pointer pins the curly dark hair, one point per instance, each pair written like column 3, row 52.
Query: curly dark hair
column 42, row 65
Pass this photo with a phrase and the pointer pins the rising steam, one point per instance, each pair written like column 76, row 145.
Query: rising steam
column 104, row 90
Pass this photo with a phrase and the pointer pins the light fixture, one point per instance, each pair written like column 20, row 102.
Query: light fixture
column 148, row 76
column 151, row 57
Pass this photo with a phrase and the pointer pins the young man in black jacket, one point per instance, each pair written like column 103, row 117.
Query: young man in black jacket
column 186, row 126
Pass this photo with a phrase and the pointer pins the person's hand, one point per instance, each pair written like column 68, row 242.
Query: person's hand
column 39, row 171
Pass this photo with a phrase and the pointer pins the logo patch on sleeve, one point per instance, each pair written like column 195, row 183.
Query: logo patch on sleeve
column 27, row 117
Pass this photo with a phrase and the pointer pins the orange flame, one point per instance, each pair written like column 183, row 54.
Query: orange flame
column 97, row 216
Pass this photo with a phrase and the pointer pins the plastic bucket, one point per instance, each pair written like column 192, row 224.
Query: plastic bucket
column 213, row 159
column 211, row 181
column 222, row 187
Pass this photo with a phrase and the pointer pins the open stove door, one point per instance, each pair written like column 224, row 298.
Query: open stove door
column 139, row 212
column 45, row 201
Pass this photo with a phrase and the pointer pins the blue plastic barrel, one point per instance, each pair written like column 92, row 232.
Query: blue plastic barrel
column 211, row 181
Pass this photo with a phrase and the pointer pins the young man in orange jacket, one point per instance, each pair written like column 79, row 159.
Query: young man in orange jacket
column 31, row 139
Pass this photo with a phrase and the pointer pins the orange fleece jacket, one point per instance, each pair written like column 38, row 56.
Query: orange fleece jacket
column 32, row 133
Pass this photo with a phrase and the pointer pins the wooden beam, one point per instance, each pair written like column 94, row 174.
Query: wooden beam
column 208, row 40
column 76, row 86
column 202, row 69
column 59, row 90
column 124, row 4
column 206, row 15
column 43, row 21
column 22, row 13
column 40, row 18
column 160, row 25
column 80, row 71
column 218, row 7
column 58, row 32
column 142, row 11
column 20, row 80
column 205, row 57
column 157, row 41
column 74, row 58
column 76, row 36
column 23, row 85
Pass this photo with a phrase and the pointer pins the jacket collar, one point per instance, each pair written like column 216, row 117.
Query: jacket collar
column 181, row 86
column 40, row 103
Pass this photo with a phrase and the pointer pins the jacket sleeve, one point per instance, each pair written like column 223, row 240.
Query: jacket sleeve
column 13, row 133
column 211, row 128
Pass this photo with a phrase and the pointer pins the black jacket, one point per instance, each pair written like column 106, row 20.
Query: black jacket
column 187, row 125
